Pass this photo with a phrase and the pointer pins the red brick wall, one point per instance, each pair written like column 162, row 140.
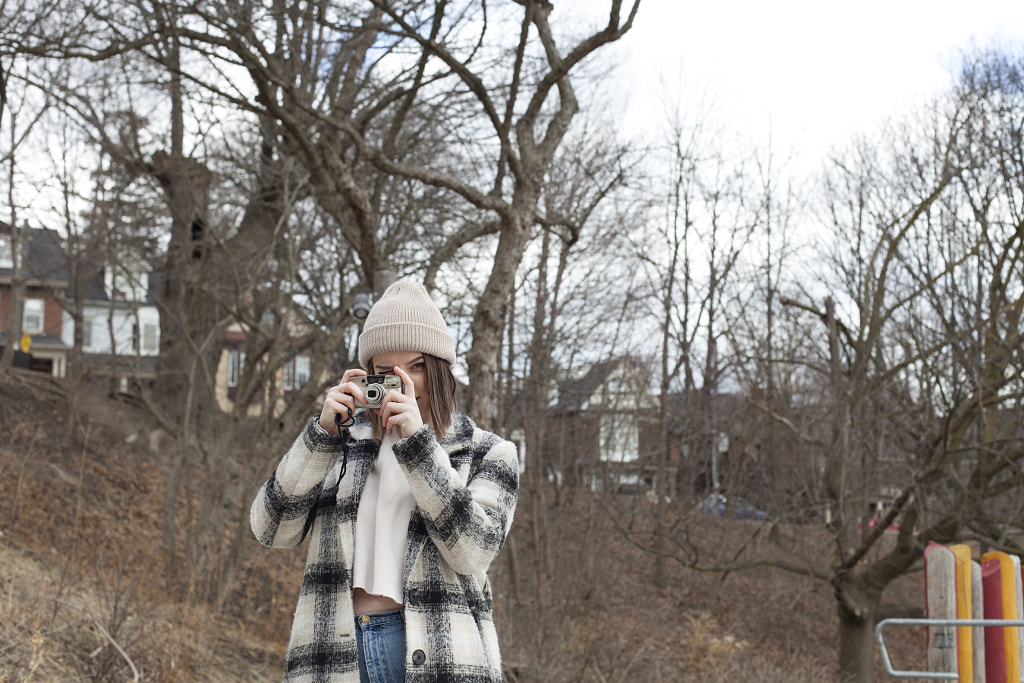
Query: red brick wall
column 53, row 315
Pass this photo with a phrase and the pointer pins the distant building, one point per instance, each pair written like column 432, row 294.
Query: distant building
column 120, row 324
column 286, row 380
column 603, row 433
column 44, row 273
column 598, row 428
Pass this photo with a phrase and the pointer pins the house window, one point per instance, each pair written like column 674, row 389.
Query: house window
column 234, row 366
column 619, row 442
column 32, row 321
column 6, row 253
column 129, row 285
column 135, row 337
column 301, row 370
column 296, row 372
column 87, row 333
column 289, row 375
column 149, row 337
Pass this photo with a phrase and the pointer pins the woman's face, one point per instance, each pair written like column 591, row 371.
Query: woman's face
column 415, row 365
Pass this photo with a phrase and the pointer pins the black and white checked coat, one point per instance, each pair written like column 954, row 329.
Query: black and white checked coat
column 465, row 489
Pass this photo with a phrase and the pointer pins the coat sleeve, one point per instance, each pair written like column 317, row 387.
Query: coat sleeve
column 467, row 520
column 281, row 513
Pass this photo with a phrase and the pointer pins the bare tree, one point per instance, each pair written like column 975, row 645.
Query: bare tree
column 924, row 345
column 21, row 108
column 699, row 244
column 906, row 358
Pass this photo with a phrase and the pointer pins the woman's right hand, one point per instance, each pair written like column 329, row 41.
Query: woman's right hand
column 341, row 400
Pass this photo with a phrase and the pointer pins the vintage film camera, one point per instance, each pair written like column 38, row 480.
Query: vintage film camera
column 376, row 387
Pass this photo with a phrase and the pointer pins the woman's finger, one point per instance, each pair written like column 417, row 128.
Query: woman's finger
column 401, row 412
column 350, row 373
column 340, row 400
column 408, row 388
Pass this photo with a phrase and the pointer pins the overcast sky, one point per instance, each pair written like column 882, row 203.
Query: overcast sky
column 813, row 73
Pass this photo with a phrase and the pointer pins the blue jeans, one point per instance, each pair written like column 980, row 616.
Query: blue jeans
column 380, row 643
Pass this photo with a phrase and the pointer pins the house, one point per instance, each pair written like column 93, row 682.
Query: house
column 43, row 270
column 120, row 323
column 598, row 432
column 298, row 334
column 710, row 443
column 603, row 432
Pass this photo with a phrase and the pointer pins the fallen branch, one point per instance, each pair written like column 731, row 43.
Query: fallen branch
column 135, row 672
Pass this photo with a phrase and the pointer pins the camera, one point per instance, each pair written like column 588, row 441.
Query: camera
column 376, row 387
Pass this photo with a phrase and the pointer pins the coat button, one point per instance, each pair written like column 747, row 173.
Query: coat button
column 414, row 596
column 418, row 657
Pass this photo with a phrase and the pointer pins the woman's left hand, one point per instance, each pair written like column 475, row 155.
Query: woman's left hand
column 400, row 409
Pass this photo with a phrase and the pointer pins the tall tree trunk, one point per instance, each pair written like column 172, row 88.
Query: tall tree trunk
column 856, row 650
column 17, row 301
column 858, row 605
column 489, row 316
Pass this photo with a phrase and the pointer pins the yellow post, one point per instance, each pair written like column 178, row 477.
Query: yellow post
column 964, row 610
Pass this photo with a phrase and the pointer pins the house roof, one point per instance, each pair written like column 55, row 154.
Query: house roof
column 46, row 263
column 576, row 394
column 96, row 289
column 44, row 258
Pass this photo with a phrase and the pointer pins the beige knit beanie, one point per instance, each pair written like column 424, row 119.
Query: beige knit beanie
column 405, row 318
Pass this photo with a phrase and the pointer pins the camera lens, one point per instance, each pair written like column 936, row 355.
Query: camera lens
column 373, row 393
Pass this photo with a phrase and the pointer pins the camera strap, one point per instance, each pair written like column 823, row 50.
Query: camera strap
column 351, row 420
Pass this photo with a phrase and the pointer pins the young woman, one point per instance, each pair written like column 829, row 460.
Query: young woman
column 405, row 507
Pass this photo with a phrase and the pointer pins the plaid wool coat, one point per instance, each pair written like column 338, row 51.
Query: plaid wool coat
column 465, row 489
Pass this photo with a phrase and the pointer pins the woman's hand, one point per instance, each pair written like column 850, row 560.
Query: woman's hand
column 341, row 400
column 400, row 410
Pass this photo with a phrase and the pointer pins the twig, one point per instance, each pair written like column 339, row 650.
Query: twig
column 632, row 660
column 135, row 672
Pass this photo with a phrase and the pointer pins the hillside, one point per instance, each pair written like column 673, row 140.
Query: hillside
column 83, row 595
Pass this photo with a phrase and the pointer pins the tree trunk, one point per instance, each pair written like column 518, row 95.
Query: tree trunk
column 858, row 592
column 857, row 645
column 17, row 291
column 185, row 184
column 489, row 316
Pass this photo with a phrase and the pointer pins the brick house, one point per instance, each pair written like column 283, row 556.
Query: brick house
column 44, row 272
column 603, row 433
column 599, row 429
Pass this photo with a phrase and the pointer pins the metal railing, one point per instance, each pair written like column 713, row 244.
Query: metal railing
column 935, row 675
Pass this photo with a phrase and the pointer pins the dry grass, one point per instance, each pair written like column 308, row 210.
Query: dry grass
column 604, row 621
column 83, row 593
column 82, row 586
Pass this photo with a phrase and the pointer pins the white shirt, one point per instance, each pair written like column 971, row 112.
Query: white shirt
column 382, row 526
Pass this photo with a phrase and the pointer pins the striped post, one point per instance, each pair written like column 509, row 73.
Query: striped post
column 1000, row 578
column 978, row 612
column 941, row 603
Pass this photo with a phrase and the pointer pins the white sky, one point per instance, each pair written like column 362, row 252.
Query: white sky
column 812, row 73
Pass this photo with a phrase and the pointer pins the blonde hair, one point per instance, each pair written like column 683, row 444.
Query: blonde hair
column 442, row 389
